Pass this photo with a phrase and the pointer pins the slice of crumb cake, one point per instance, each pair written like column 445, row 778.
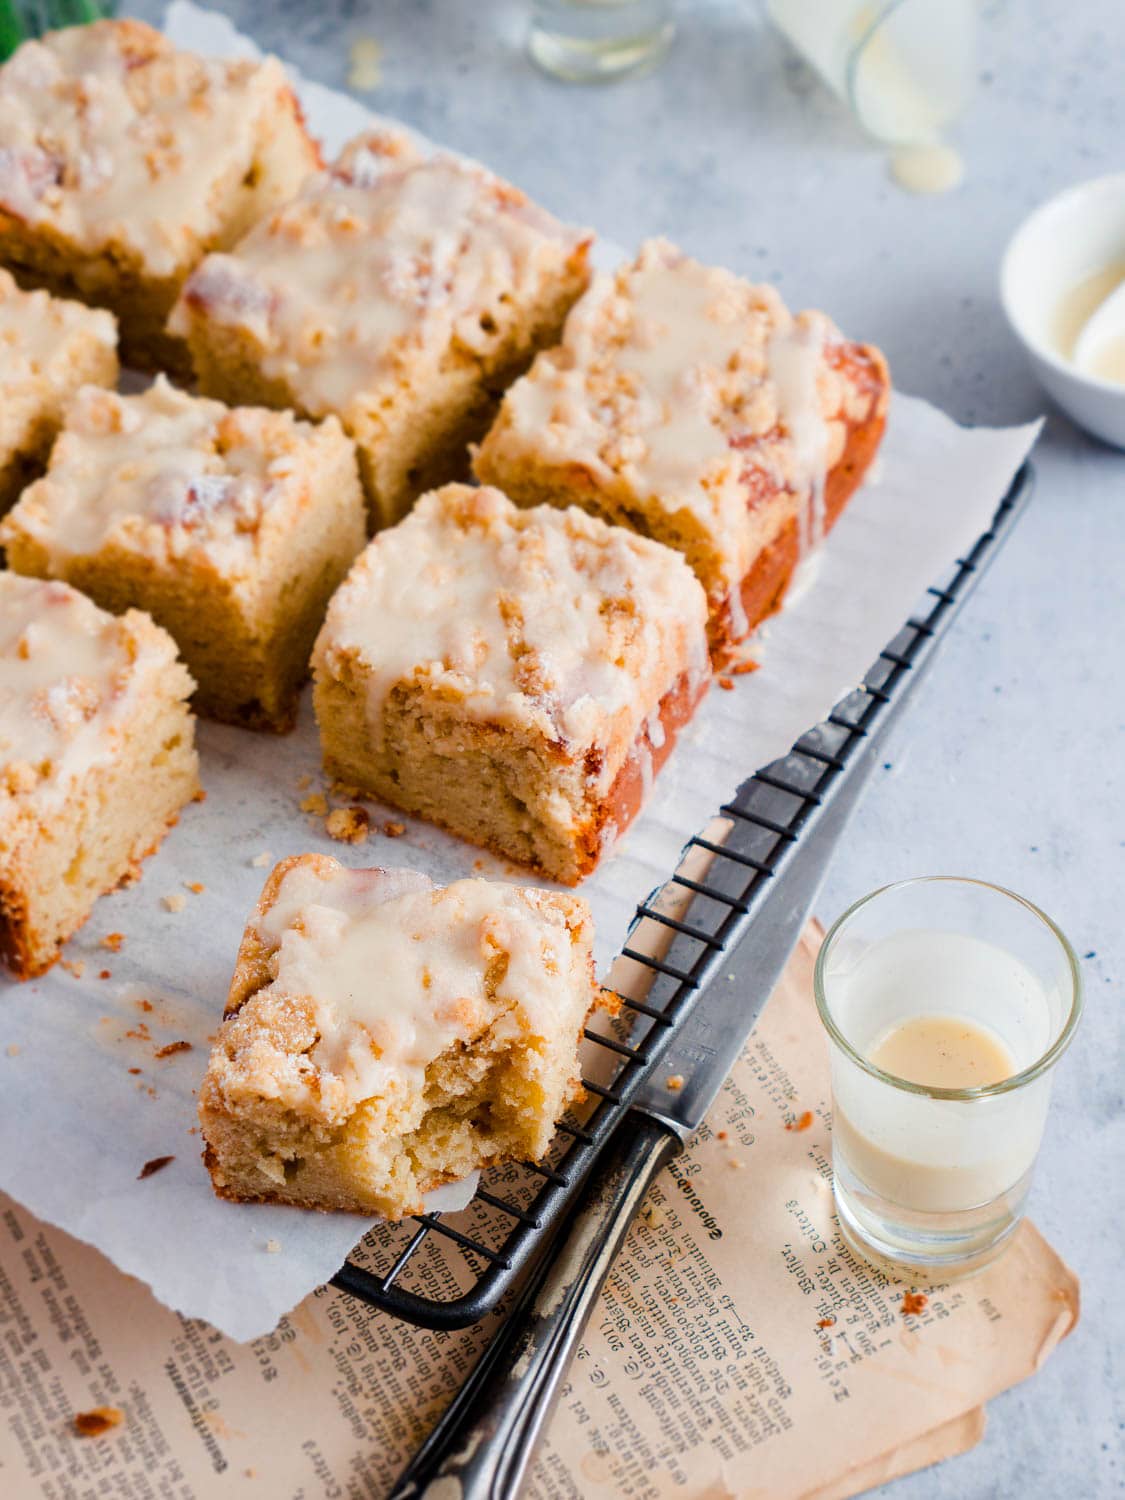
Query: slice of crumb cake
column 384, row 1036
column 124, row 160
column 693, row 406
column 401, row 293
column 96, row 759
column 517, row 676
column 231, row 526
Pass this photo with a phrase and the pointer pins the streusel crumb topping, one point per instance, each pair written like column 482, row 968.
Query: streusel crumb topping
column 166, row 474
column 37, row 334
column 109, row 135
column 446, row 958
column 65, row 671
column 543, row 619
column 376, row 269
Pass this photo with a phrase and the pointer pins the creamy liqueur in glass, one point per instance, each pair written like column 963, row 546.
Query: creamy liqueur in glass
column 947, row 1003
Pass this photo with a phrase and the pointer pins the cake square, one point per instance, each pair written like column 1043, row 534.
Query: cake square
column 48, row 348
column 384, row 1036
column 124, row 160
column 231, row 527
column 97, row 758
column 516, row 676
column 401, row 293
column 689, row 404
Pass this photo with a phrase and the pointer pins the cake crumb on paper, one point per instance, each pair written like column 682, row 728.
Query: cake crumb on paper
column 113, row 941
column 13, row 1049
column 802, row 1122
column 726, row 684
column 273, row 1247
column 316, row 803
column 394, row 830
column 260, row 861
column 196, row 887
column 175, row 902
column 98, row 1420
column 674, row 1083
column 171, row 1048
column 913, row 1303
column 74, row 966
column 304, row 782
column 105, row 973
column 157, row 1164
column 349, row 825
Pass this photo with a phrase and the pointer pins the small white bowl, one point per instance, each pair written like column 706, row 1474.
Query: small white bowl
column 1066, row 240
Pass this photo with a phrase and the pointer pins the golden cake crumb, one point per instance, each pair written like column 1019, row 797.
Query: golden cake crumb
column 98, row 1421
column 394, row 830
column 304, row 782
column 273, row 1247
column 175, row 902
column 13, row 1049
column 113, row 941
column 171, row 1048
column 260, row 861
column 315, row 803
column 196, row 887
column 675, row 1083
column 347, row 824
column 74, row 966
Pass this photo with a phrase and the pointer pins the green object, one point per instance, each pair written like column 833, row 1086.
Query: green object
column 18, row 22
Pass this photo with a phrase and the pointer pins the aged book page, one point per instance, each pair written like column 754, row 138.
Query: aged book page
column 738, row 1350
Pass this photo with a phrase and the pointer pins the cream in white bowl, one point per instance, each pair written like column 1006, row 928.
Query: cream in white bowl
column 1059, row 265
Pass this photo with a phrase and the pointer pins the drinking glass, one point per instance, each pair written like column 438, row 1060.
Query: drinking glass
column 936, row 1178
column 586, row 41
column 905, row 68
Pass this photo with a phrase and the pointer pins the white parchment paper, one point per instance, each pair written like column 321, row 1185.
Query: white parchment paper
column 85, row 1101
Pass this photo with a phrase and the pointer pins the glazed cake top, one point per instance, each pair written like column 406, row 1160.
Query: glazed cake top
column 695, row 390
column 546, row 621
column 377, row 268
column 111, row 136
column 390, row 971
column 68, row 682
column 170, row 476
column 38, row 333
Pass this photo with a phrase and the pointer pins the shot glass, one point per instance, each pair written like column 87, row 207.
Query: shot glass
column 589, row 41
column 947, row 1003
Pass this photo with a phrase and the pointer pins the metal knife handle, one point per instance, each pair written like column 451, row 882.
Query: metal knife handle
column 490, row 1448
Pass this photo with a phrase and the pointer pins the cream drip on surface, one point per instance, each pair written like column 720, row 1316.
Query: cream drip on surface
column 537, row 618
column 163, row 472
column 381, row 260
column 110, row 135
column 398, row 971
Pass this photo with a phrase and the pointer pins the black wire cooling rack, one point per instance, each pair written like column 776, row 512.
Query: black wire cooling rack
column 449, row 1271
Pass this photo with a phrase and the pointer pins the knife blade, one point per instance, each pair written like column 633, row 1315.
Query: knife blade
column 704, row 1049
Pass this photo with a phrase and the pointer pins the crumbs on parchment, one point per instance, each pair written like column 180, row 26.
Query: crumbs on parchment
column 98, row 1420
column 349, row 825
column 196, row 887
column 726, row 684
column 802, row 1122
column 913, row 1303
column 315, row 803
column 260, row 861
column 394, row 830
column 171, row 1048
column 157, row 1164
column 674, row 1083
column 113, row 941
column 75, row 966
column 273, row 1247
column 175, row 902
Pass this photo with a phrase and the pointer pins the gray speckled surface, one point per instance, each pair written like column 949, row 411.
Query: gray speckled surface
column 1012, row 764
